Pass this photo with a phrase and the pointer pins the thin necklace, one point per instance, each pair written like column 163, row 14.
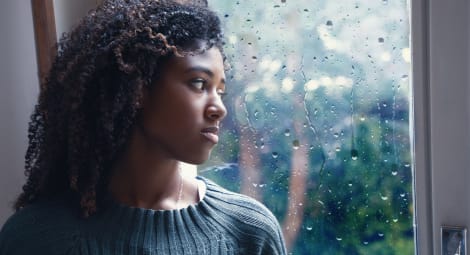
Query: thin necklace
column 180, row 192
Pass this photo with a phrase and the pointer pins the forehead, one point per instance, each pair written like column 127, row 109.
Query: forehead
column 210, row 59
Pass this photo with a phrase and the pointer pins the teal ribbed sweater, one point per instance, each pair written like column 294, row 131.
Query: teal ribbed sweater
column 223, row 222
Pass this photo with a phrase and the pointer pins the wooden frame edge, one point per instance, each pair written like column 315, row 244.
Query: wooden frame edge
column 45, row 36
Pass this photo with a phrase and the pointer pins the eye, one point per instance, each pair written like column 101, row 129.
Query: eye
column 198, row 83
column 221, row 93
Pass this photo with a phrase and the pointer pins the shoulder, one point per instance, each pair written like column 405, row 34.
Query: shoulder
column 247, row 215
column 44, row 227
column 234, row 203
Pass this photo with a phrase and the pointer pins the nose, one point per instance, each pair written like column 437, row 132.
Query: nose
column 216, row 110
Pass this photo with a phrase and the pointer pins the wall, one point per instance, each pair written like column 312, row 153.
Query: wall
column 19, row 89
column 69, row 12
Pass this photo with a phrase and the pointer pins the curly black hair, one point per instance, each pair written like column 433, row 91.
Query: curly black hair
column 88, row 105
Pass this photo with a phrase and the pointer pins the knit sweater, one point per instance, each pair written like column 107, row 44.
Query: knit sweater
column 223, row 222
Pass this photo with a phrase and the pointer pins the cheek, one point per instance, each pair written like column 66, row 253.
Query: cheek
column 182, row 112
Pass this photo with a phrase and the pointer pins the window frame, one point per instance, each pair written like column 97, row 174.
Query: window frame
column 441, row 96
column 420, row 130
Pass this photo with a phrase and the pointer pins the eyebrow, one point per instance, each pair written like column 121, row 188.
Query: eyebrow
column 204, row 70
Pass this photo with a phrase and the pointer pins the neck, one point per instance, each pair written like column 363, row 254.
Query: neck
column 145, row 179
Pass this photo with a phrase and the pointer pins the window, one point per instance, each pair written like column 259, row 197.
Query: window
column 318, row 125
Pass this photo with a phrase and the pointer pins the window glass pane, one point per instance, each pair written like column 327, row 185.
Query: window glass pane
column 318, row 125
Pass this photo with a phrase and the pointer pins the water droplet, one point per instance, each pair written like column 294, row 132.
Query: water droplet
column 384, row 198
column 384, row 1
column 350, row 184
column 336, row 135
column 287, row 132
column 407, row 165
column 395, row 220
column 339, row 238
column 275, row 154
column 380, row 234
column 402, row 195
column 394, row 173
column 381, row 40
column 309, row 228
column 295, row 144
column 365, row 243
column 363, row 118
column 255, row 184
column 354, row 154
column 338, row 149
column 329, row 23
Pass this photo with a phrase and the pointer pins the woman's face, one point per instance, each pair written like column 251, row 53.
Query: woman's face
column 182, row 113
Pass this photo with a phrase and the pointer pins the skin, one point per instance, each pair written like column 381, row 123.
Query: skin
column 178, row 123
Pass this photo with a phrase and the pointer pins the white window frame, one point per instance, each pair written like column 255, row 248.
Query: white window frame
column 440, row 46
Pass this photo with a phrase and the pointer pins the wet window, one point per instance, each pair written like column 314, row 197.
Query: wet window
column 319, row 120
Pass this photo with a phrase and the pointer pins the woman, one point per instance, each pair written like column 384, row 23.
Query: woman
column 136, row 89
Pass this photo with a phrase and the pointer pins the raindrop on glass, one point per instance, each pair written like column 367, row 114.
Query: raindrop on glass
column 295, row 144
column 309, row 228
column 354, row 154
column 287, row 132
column 394, row 169
column 381, row 40
column 329, row 23
column 275, row 154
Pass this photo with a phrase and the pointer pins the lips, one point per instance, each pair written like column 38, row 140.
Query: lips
column 211, row 134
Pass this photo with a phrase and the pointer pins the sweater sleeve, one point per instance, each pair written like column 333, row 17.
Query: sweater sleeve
column 274, row 243
column 38, row 230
